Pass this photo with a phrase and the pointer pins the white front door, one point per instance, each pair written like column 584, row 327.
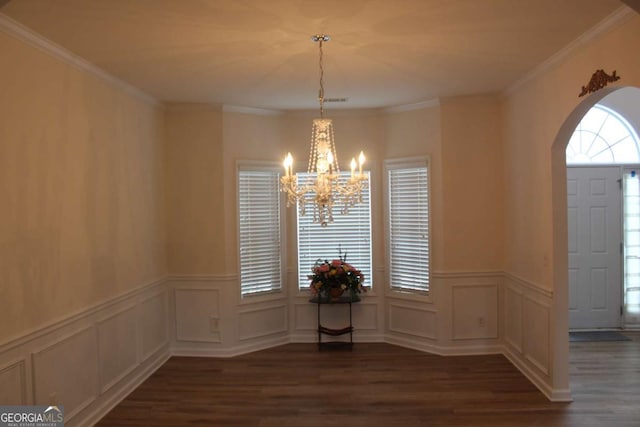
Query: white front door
column 595, row 239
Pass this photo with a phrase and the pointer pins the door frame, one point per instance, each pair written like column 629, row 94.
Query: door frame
column 559, row 242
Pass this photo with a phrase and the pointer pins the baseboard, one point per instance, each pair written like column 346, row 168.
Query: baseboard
column 471, row 350
column 412, row 344
column 102, row 406
column 312, row 338
column 554, row 395
column 561, row 395
column 207, row 351
column 440, row 350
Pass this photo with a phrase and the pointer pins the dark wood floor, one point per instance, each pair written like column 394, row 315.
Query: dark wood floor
column 382, row 385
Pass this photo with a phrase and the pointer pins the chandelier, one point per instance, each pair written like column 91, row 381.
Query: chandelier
column 323, row 187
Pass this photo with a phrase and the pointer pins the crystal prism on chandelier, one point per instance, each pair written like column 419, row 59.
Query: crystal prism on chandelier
column 323, row 187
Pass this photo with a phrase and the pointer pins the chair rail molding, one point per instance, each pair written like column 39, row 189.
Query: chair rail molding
column 109, row 349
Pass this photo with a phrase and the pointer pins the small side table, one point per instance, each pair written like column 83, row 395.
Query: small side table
column 323, row 330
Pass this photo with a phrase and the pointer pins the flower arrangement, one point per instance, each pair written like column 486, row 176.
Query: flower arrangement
column 334, row 276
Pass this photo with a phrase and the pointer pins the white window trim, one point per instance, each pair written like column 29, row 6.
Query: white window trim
column 276, row 294
column 399, row 163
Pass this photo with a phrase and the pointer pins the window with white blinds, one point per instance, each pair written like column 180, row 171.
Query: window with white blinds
column 408, row 225
column 260, row 231
column 349, row 233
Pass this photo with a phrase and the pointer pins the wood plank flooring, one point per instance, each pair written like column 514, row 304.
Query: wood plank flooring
column 382, row 385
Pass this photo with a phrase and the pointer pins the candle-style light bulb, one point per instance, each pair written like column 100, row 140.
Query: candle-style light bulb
column 353, row 167
column 361, row 161
column 330, row 161
column 288, row 164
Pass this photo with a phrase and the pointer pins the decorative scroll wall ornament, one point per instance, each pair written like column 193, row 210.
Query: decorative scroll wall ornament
column 599, row 79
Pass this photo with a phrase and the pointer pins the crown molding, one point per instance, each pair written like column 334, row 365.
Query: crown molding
column 416, row 106
column 250, row 110
column 191, row 106
column 30, row 37
column 616, row 18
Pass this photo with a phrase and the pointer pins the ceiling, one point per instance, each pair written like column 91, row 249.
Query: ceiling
column 258, row 53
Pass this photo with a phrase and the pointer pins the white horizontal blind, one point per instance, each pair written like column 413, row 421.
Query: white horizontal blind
column 631, row 196
column 408, row 189
column 260, row 240
column 351, row 233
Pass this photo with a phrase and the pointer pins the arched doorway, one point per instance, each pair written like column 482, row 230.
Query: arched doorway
column 603, row 156
column 560, row 312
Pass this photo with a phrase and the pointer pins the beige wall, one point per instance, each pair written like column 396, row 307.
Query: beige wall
column 533, row 115
column 461, row 137
column 417, row 133
column 81, row 189
column 472, row 182
column 247, row 137
column 194, row 184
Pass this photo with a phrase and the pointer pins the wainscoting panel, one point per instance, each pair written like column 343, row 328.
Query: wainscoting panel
column 527, row 340
column 474, row 311
column 116, row 356
column 211, row 319
column 411, row 320
column 73, row 357
column 365, row 316
column 513, row 318
column 153, row 315
column 197, row 315
column 537, row 339
column 335, row 316
column 109, row 349
column 13, row 384
column 257, row 322
column 91, row 359
column 305, row 316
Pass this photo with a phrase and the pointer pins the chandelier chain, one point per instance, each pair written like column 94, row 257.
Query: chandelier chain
column 321, row 90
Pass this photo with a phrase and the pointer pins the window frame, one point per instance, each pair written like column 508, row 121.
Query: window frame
column 281, row 291
column 396, row 291
column 619, row 120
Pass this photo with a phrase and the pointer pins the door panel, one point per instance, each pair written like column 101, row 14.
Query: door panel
column 595, row 234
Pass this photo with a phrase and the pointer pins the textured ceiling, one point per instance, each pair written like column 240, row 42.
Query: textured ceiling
column 258, row 53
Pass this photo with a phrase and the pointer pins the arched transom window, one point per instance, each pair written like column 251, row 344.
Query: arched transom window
column 603, row 137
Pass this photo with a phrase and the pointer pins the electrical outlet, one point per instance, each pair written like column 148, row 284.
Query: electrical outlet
column 481, row 322
column 214, row 325
column 53, row 398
